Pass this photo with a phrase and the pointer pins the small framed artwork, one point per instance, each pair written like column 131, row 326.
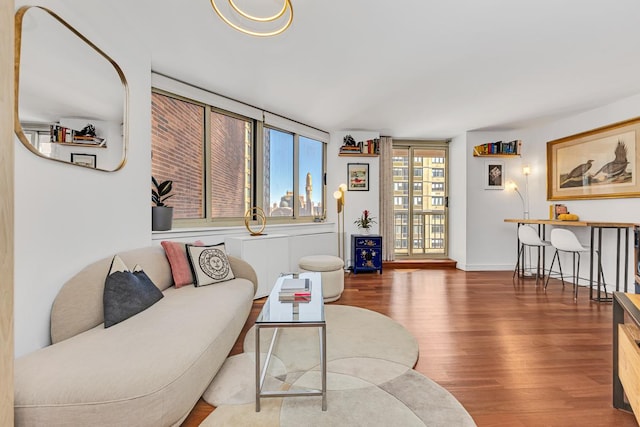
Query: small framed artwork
column 493, row 175
column 87, row 160
column 358, row 176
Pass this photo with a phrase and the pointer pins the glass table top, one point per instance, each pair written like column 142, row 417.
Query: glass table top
column 276, row 311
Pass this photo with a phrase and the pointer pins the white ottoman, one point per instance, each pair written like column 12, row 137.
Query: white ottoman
column 332, row 273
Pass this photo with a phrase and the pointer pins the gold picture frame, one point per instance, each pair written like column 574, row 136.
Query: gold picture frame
column 600, row 163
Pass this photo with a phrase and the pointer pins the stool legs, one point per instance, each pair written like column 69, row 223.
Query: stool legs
column 553, row 260
column 519, row 266
column 576, row 272
column 517, row 269
column 575, row 277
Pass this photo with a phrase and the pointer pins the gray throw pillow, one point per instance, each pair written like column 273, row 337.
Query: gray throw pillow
column 127, row 293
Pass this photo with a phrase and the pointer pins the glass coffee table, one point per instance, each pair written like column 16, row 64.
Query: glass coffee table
column 287, row 314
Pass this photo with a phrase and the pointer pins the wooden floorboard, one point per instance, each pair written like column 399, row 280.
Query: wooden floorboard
column 512, row 354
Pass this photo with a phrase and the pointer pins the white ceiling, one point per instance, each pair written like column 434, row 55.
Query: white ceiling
column 406, row 68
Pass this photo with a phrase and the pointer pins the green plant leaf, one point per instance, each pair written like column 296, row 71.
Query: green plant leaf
column 165, row 188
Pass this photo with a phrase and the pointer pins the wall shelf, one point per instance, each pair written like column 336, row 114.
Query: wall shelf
column 358, row 155
column 368, row 148
column 498, row 149
column 80, row 144
column 495, row 155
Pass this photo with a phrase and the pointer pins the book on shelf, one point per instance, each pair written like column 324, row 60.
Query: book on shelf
column 87, row 139
column 70, row 136
column 370, row 146
column 498, row 147
column 354, row 149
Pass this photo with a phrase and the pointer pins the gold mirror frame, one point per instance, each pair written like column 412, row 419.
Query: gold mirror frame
column 19, row 131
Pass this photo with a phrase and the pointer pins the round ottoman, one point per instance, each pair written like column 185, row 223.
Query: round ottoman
column 331, row 270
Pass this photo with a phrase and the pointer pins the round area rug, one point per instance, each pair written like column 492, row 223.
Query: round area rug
column 370, row 380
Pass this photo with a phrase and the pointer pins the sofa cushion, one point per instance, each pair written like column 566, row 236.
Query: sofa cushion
column 210, row 264
column 177, row 256
column 127, row 293
column 79, row 306
column 149, row 370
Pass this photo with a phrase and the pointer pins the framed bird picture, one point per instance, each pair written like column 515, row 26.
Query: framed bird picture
column 600, row 163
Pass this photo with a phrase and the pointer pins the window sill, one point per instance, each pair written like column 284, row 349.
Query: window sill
column 189, row 233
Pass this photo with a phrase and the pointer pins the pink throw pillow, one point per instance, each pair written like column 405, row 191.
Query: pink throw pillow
column 180, row 268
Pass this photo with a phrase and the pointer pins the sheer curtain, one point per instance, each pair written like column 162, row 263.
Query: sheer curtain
column 386, row 198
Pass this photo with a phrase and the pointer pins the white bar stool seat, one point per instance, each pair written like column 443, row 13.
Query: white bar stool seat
column 566, row 241
column 528, row 236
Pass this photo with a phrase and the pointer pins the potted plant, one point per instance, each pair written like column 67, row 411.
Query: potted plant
column 161, row 214
column 365, row 222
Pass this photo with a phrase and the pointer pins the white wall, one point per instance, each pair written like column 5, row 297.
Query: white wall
column 68, row 216
column 457, row 211
column 490, row 241
column 355, row 201
column 487, row 236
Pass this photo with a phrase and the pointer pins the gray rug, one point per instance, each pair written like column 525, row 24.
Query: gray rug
column 370, row 380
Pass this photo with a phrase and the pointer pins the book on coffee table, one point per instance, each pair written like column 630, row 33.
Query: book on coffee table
column 293, row 285
column 295, row 290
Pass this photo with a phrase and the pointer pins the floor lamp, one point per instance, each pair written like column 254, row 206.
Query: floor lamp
column 339, row 196
column 526, row 171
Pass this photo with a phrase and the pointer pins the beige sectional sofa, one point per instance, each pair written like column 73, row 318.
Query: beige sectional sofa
column 148, row 370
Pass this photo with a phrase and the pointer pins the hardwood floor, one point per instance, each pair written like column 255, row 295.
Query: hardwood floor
column 512, row 354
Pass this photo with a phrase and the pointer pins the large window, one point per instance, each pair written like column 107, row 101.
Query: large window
column 420, row 228
column 230, row 177
column 223, row 163
column 310, row 176
column 177, row 147
column 278, row 173
column 282, row 198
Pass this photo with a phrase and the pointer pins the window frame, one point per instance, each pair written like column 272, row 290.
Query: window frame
column 257, row 158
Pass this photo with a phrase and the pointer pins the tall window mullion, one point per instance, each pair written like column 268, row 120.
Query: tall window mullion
column 207, row 164
column 296, row 182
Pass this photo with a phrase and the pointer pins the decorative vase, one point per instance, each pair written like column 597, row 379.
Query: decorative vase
column 161, row 218
column 364, row 231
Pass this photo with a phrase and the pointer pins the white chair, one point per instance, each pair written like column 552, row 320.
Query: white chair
column 528, row 236
column 564, row 240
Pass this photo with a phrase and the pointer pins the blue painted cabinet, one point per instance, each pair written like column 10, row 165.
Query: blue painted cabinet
column 366, row 252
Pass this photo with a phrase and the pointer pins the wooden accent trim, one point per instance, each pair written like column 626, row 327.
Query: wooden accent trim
column 629, row 364
column 432, row 263
column 6, row 213
column 583, row 223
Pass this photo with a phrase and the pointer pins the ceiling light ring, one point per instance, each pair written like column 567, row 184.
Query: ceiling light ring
column 286, row 4
column 255, row 33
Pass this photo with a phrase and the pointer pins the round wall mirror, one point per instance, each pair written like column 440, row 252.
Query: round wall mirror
column 71, row 97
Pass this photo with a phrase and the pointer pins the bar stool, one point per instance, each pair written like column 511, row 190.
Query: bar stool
column 529, row 237
column 566, row 241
